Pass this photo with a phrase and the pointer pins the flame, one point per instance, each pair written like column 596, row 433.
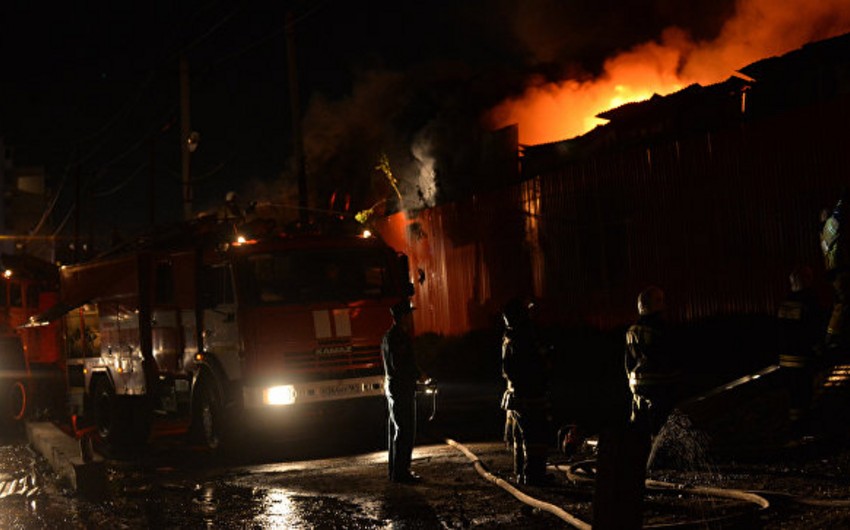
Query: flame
column 552, row 111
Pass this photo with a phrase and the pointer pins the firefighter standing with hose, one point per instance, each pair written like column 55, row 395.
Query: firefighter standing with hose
column 525, row 401
column 625, row 444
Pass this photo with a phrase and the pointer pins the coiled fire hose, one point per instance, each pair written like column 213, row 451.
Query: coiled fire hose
column 527, row 499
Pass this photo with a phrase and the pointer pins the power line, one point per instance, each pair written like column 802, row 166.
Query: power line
column 114, row 119
column 270, row 35
column 122, row 184
column 146, row 83
column 210, row 31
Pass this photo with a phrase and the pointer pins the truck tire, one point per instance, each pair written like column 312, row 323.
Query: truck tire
column 207, row 415
column 14, row 401
column 112, row 416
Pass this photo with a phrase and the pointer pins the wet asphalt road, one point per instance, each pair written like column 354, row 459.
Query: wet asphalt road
column 330, row 481
column 339, row 481
column 337, row 492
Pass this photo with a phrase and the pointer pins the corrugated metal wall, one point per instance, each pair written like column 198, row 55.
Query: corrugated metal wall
column 717, row 219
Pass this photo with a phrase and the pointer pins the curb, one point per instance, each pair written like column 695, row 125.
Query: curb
column 63, row 453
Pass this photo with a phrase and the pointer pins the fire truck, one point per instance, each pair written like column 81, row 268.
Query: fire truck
column 29, row 357
column 214, row 327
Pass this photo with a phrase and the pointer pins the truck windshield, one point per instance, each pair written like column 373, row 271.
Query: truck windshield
column 310, row 276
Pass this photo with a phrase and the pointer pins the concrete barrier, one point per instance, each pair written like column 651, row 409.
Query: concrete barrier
column 63, row 453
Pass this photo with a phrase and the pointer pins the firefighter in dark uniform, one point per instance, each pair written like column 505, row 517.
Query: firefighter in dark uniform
column 401, row 373
column 525, row 400
column 649, row 362
column 800, row 329
column 837, row 263
column 624, row 448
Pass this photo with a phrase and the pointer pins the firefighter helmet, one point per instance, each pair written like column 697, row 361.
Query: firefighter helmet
column 650, row 301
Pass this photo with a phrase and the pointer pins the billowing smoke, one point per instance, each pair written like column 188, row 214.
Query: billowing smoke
column 547, row 65
column 344, row 139
column 426, row 176
column 425, row 122
column 554, row 110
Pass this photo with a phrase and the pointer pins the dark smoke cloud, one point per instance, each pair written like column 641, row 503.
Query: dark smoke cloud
column 558, row 33
column 434, row 71
column 425, row 120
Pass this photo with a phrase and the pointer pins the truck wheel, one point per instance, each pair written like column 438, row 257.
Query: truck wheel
column 110, row 416
column 17, row 400
column 208, row 416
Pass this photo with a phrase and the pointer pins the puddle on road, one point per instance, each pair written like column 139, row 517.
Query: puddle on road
column 27, row 500
column 223, row 505
column 166, row 497
column 282, row 509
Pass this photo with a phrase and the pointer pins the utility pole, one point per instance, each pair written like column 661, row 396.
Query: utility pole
column 295, row 105
column 2, row 185
column 185, row 132
column 152, row 181
column 77, row 206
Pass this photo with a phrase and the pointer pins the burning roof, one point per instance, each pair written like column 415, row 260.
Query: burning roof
column 816, row 71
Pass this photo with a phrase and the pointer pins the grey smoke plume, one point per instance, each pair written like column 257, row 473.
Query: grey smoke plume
column 427, row 113
column 426, row 177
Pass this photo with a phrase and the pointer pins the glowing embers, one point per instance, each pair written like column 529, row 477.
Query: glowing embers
column 279, row 395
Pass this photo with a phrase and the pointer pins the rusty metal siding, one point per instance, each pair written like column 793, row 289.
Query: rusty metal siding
column 718, row 219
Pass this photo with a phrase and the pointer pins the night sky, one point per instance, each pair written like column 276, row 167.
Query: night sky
column 93, row 86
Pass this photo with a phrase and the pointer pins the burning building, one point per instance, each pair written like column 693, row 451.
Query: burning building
column 713, row 192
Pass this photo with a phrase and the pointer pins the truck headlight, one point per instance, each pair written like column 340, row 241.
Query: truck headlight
column 279, row 395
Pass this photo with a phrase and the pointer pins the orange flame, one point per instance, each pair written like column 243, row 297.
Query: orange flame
column 548, row 112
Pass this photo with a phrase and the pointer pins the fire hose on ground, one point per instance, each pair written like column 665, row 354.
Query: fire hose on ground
column 739, row 495
column 527, row 499
column 757, row 497
column 572, row 475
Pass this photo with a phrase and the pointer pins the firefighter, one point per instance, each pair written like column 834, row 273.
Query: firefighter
column 837, row 263
column 525, row 400
column 625, row 445
column 401, row 373
column 649, row 362
column 800, row 327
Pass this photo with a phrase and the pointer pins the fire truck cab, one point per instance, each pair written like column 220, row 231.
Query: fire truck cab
column 29, row 357
column 209, row 330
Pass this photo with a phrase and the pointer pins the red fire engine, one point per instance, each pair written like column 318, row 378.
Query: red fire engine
column 206, row 329
column 29, row 357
